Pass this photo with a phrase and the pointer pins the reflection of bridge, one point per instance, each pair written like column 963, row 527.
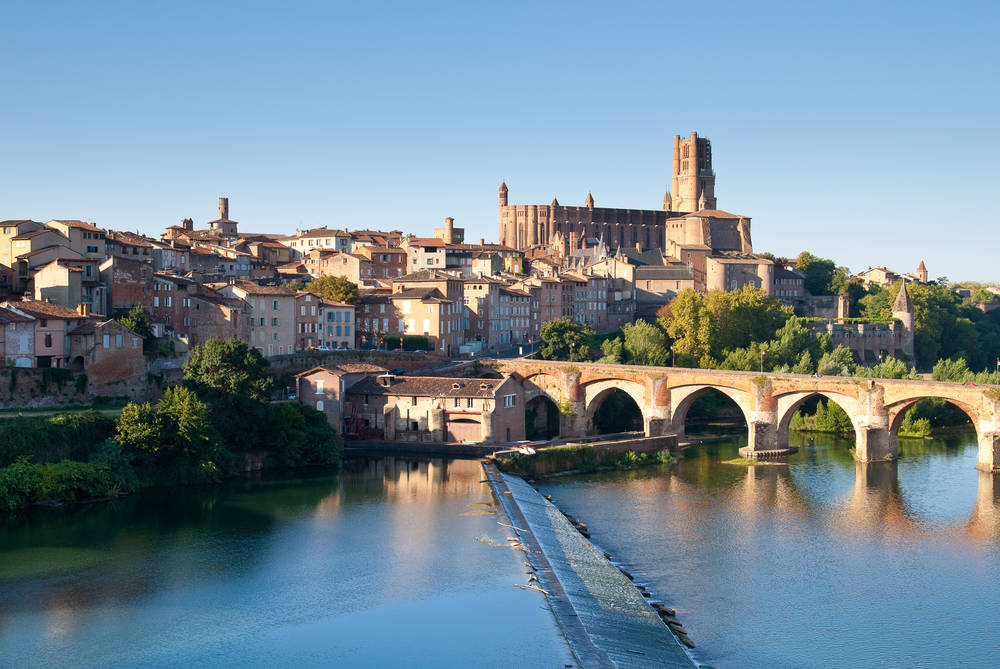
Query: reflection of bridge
column 768, row 401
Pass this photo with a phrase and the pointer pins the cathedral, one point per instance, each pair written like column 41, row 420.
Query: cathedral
column 689, row 228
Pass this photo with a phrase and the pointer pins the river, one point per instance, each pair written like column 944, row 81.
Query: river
column 818, row 563
column 395, row 563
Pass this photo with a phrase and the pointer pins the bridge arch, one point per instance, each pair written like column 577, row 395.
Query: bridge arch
column 682, row 397
column 595, row 392
column 897, row 412
column 789, row 403
column 543, row 383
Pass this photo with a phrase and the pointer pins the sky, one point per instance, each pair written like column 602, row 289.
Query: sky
column 863, row 132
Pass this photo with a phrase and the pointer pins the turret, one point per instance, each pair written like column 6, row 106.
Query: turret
column 922, row 272
column 503, row 193
column 667, row 202
column 902, row 310
column 701, row 201
column 589, row 202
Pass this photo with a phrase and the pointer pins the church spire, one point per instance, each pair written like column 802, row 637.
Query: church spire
column 667, row 201
column 589, row 202
column 503, row 193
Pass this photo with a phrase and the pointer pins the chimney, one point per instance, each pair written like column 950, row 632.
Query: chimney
column 482, row 241
column 385, row 380
column 83, row 310
column 224, row 208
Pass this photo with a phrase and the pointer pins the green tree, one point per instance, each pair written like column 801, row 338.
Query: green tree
column 838, row 362
column 138, row 429
column 335, row 289
column 300, row 435
column 645, row 344
column 890, row 368
column 688, row 322
column 232, row 378
column 613, row 350
column 562, row 339
column 744, row 316
column 137, row 320
column 822, row 276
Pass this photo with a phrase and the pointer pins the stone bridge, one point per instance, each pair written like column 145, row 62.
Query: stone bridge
column 768, row 401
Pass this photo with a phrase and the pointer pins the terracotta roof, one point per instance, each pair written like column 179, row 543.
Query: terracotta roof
column 78, row 224
column 428, row 386
column 256, row 289
column 8, row 316
column 346, row 368
column 424, row 275
column 42, row 309
column 418, row 294
column 427, row 241
column 35, row 233
column 716, row 213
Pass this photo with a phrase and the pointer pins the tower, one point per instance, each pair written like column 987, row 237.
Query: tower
column 589, row 203
column 503, row 193
column 922, row 272
column 693, row 176
column 667, row 202
column 902, row 310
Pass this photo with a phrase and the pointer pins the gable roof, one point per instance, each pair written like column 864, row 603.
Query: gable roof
column 428, row 386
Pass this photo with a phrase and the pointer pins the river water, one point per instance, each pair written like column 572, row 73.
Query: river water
column 398, row 563
column 820, row 563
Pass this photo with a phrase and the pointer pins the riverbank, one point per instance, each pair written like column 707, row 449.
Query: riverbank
column 606, row 620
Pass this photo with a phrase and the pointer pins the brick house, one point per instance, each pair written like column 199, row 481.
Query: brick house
column 271, row 323
column 72, row 282
column 106, row 350
column 308, row 321
column 17, row 339
column 338, row 328
column 425, row 408
column 323, row 388
column 52, row 322
column 129, row 281
column 376, row 319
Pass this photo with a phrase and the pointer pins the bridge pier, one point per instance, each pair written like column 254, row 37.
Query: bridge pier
column 874, row 444
column 989, row 451
column 574, row 422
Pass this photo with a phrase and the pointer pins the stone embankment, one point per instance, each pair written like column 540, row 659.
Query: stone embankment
column 574, row 456
column 606, row 620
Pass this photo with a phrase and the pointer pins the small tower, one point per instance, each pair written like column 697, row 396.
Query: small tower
column 589, row 202
column 922, row 272
column 702, row 203
column 555, row 202
column 693, row 174
column 503, row 193
column 667, row 202
column 902, row 310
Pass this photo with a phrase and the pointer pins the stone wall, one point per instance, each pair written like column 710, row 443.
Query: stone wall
column 33, row 388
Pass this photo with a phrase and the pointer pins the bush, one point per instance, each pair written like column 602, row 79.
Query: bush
column 18, row 484
column 67, row 435
column 300, row 435
column 70, row 481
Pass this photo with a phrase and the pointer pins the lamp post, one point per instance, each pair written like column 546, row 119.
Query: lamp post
column 761, row 360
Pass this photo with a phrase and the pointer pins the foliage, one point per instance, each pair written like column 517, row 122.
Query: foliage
column 137, row 320
column 707, row 327
column 335, row 289
column 917, row 428
column 174, row 441
column 293, row 285
column 822, row 276
column 408, row 343
column 232, row 379
column 957, row 371
column 562, row 339
column 69, row 435
column 890, row 368
column 301, row 435
column 24, row 483
column 645, row 344
column 18, row 483
column 613, row 350
column 828, row 417
column 793, row 349
column 838, row 362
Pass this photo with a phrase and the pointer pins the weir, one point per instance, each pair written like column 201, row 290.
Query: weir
column 604, row 618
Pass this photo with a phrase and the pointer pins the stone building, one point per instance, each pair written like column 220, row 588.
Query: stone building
column 323, row 388
column 872, row 343
column 17, row 339
column 271, row 324
column 52, row 324
column 439, row 409
column 106, row 350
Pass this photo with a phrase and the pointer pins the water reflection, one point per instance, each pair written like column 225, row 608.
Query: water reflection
column 228, row 575
column 741, row 551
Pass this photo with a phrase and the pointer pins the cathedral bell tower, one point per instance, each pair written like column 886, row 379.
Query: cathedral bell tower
column 693, row 176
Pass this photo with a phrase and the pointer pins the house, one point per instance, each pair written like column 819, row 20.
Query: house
column 436, row 409
column 106, row 350
column 338, row 329
column 323, row 388
column 52, row 323
column 17, row 339
column 72, row 282
column 271, row 323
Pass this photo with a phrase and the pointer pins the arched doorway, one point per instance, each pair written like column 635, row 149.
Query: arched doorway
column 613, row 411
column 541, row 418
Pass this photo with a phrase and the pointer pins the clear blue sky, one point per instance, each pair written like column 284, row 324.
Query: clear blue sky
column 865, row 132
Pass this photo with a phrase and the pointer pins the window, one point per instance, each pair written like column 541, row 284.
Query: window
column 118, row 341
column 276, row 337
column 319, row 386
column 48, row 341
column 347, row 330
column 347, row 316
column 468, row 403
column 458, row 402
column 168, row 301
column 509, row 401
column 274, row 305
column 107, row 341
column 274, row 322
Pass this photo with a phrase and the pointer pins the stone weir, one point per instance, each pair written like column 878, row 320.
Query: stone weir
column 604, row 618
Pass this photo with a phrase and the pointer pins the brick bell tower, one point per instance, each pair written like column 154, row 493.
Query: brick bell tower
column 693, row 182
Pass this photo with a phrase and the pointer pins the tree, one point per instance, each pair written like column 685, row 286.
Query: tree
column 688, row 322
column 822, row 276
column 562, row 339
column 335, row 289
column 890, row 368
column 137, row 320
column 744, row 316
column 838, row 362
column 613, row 350
column 232, row 378
column 301, row 435
column 138, row 429
column 645, row 344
